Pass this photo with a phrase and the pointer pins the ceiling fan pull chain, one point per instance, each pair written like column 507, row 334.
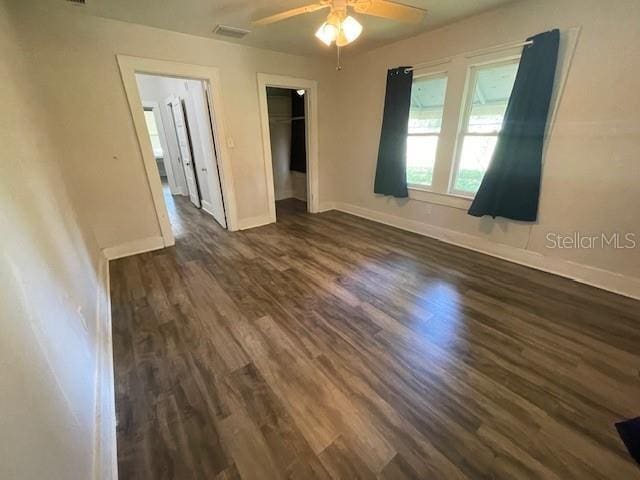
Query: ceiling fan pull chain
column 338, row 66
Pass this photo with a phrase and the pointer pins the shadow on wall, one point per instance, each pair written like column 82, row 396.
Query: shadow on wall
column 49, row 289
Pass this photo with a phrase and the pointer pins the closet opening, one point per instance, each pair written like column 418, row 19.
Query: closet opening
column 287, row 134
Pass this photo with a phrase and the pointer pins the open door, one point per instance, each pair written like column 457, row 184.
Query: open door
column 217, row 202
column 184, row 146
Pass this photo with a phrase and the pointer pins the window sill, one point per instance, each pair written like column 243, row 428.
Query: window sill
column 447, row 199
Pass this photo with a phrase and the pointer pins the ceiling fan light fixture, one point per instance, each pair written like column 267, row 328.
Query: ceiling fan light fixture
column 327, row 33
column 351, row 28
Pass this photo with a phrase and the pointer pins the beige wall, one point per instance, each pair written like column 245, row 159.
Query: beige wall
column 590, row 174
column 590, row 179
column 72, row 171
column 79, row 77
column 49, row 291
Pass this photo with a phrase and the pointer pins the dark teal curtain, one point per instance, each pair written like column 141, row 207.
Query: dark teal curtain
column 511, row 185
column 391, row 171
column 298, row 134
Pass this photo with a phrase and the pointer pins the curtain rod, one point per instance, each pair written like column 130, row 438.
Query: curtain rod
column 497, row 48
column 474, row 53
column 433, row 63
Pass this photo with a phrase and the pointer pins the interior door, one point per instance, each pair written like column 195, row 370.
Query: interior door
column 184, row 146
column 217, row 200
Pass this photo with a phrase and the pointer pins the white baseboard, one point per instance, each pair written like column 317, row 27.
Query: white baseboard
column 133, row 248
column 105, row 447
column 253, row 222
column 288, row 195
column 596, row 277
column 284, row 195
column 326, row 206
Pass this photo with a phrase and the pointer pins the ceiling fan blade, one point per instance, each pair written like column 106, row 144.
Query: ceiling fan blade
column 289, row 13
column 387, row 9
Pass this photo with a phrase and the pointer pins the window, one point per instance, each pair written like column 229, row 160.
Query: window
column 487, row 98
column 154, row 135
column 425, row 122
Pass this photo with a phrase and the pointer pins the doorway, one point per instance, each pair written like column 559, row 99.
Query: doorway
column 177, row 114
column 291, row 171
column 130, row 66
column 287, row 134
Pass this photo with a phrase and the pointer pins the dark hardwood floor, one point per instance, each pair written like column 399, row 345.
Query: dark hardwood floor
column 328, row 346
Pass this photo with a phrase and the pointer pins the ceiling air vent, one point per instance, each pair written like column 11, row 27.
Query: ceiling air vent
column 77, row 2
column 227, row 31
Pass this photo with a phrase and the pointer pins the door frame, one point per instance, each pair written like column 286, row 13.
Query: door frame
column 129, row 66
column 311, row 133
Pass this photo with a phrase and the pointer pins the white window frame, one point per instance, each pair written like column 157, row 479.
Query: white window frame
column 457, row 69
column 467, row 104
column 431, row 75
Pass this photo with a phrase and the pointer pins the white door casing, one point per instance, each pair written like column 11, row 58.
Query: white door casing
column 311, row 121
column 129, row 66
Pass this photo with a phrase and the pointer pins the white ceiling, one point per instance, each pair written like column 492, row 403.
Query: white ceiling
column 295, row 35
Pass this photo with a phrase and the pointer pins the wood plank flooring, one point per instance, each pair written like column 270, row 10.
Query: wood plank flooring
column 327, row 346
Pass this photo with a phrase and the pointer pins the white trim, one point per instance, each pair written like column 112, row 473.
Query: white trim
column 426, row 65
column 286, row 194
column 105, row 461
column 253, row 222
column 461, row 202
column 311, row 118
column 596, row 277
column 134, row 248
column 498, row 48
column 129, row 66
column 326, row 206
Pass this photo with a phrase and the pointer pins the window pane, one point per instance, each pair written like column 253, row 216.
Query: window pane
column 151, row 122
column 474, row 160
column 491, row 94
column 153, row 133
column 427, row 101
column 421, row 156
column 157, row 147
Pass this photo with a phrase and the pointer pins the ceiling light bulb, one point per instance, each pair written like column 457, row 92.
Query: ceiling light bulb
column 327, row 33
column 351, row 29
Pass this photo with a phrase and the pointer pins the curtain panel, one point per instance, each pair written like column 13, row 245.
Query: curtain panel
column 391, row 170
column 511, row 185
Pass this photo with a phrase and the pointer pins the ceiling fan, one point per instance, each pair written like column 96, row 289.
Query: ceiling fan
column 342, row 28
